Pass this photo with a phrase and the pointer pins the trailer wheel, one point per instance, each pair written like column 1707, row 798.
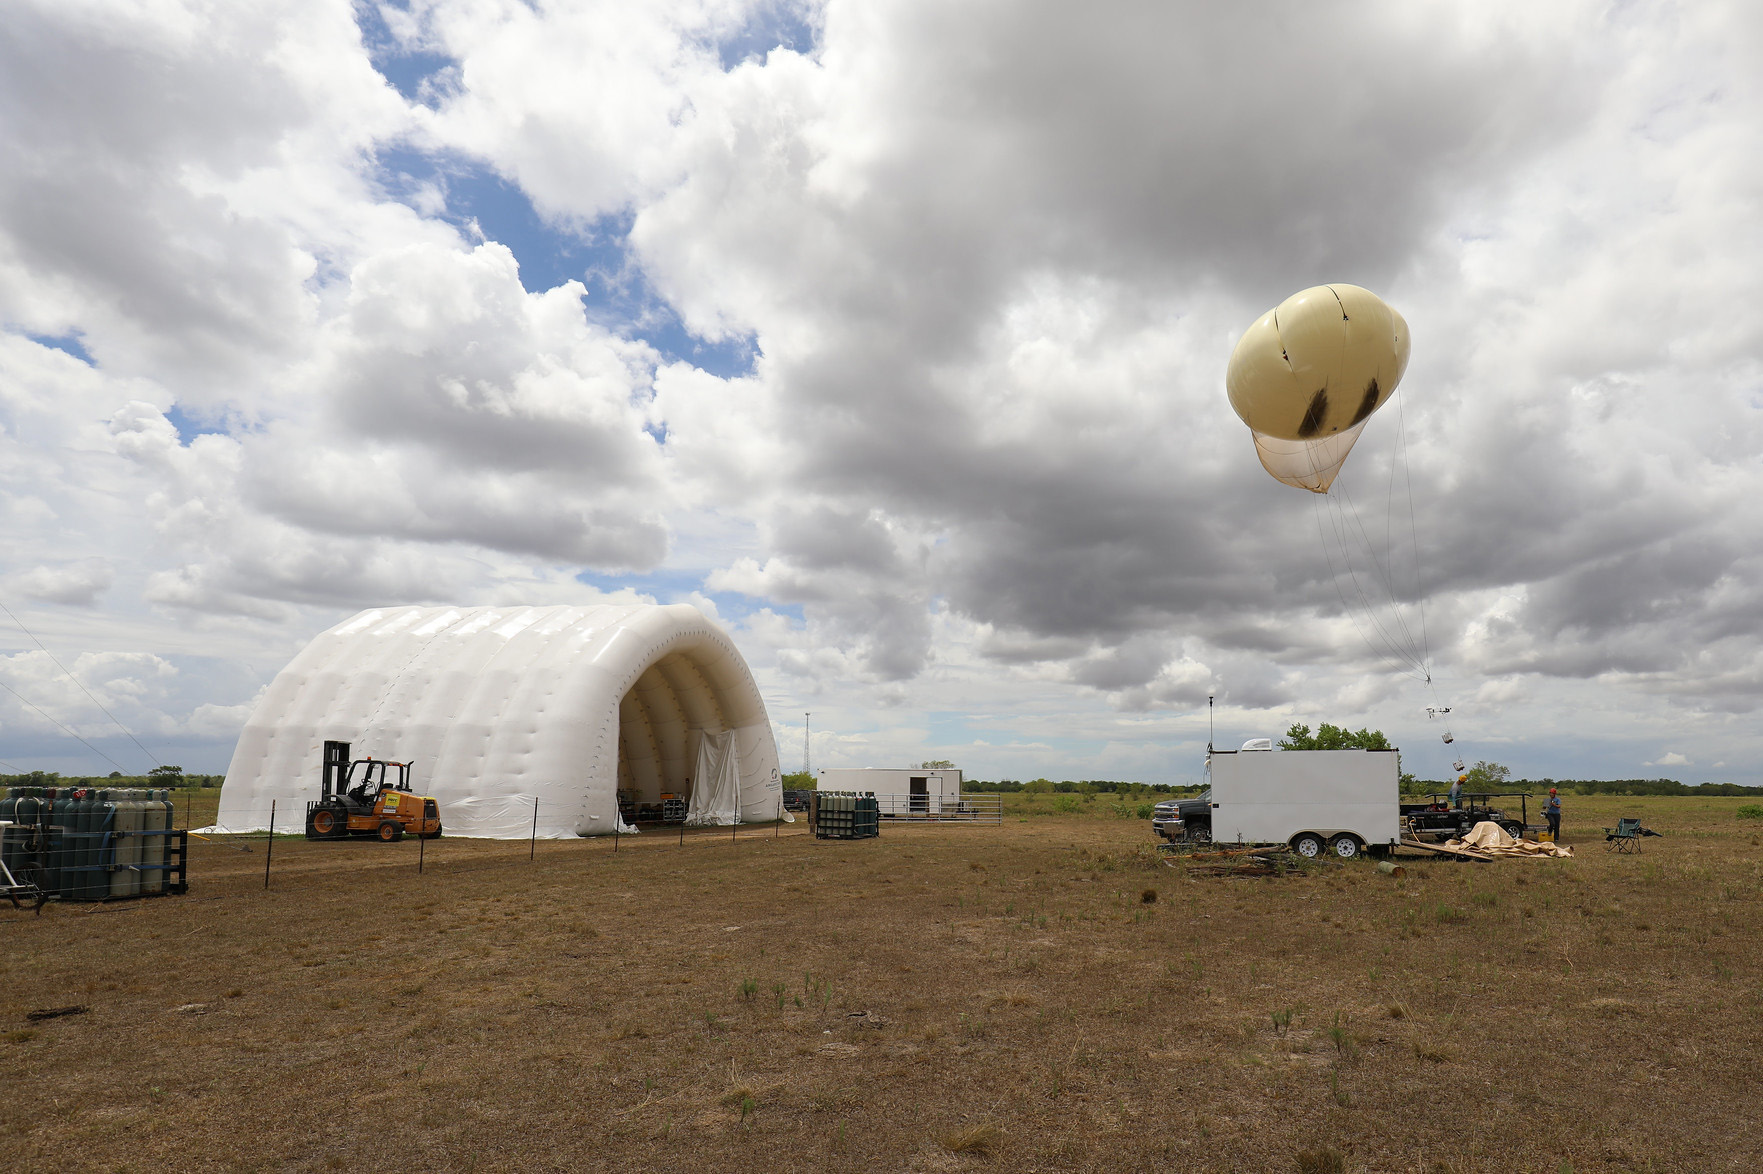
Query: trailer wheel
column 1514, row 829
column 1346, row 847
column 1308, row 845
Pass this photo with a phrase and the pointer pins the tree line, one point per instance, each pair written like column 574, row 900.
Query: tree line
column 171, row 777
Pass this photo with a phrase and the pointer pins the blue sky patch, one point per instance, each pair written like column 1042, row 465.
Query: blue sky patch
column 482, row 203
column 673, row 585
column 190, row 428
column 732, row 605
column 406, row 69
column 776, row 26
column 67, row 344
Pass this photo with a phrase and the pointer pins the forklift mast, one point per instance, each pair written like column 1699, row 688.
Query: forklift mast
column 336, row 770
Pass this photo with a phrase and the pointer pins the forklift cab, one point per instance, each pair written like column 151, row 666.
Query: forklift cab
column 369, row 776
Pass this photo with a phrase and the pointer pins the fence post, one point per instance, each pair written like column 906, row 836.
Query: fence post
column 532, row 848
column 422, row 843
column 269, row 844
column 734, row 825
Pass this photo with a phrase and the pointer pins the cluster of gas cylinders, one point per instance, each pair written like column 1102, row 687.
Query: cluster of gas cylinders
column 89, row 843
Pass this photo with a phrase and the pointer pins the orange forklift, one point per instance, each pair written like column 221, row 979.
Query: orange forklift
column 361, row 798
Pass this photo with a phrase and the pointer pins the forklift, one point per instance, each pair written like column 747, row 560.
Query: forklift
column 361, row 798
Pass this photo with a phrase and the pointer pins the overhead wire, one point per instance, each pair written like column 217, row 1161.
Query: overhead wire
column 1388, row 654
column 64, row 728
column 1413, row 526
column 89, row 696
column 1411, row 643
column 1372, row 608
column 1387, row 577
column 1392, row 652
column 1395, row 648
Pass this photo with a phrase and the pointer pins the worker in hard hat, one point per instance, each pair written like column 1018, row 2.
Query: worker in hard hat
column 1552, row 812
column 1457, row 790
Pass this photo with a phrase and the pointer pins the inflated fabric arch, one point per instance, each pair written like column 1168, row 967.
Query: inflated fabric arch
column 499, row 707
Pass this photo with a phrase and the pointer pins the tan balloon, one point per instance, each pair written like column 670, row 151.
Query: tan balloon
column 1309, row 373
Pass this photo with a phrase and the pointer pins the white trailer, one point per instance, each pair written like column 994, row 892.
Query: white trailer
column 1340, row 801
column 930, row 790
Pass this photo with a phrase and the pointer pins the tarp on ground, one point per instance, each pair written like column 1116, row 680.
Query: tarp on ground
column 1493, row 840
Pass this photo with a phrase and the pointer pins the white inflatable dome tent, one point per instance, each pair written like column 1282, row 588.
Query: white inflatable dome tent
column 500, row 707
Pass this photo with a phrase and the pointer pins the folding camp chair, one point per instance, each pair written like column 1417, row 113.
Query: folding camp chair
column 1624, row 837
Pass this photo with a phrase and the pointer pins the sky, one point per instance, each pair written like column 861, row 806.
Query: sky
column 893, row 336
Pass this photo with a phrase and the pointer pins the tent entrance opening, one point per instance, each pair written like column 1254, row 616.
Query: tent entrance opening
column 663, row 722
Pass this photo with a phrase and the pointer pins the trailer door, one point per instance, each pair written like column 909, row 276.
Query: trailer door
column 919, row 788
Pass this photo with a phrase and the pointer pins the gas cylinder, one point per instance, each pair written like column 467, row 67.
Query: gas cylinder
column 62, row 840
column 100, row 819
column 124, row 880
column 100, row 848
column 73, row 860
column 155, row 819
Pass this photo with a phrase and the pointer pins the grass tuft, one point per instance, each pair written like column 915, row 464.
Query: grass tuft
column 1326, row 1160
column 983, row 1140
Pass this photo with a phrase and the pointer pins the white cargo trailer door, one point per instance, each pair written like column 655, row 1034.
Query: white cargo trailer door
column 1268, row 798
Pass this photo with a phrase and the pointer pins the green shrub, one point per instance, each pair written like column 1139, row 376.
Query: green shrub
column 1751, row 811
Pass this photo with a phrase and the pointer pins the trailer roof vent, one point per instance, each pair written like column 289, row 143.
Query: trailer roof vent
column 1258, row 744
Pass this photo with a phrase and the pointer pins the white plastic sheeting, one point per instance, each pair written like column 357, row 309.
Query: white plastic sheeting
column 717, row 785
column 504, row 707
column 1306, row 464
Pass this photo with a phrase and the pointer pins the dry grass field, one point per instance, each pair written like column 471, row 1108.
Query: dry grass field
column 1045, row 996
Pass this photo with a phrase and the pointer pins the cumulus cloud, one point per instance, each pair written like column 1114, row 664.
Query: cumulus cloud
column 78, row 583
column 252, row 376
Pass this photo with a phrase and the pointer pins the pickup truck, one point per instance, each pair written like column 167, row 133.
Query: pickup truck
column 1434, row 817
column 1184, row 821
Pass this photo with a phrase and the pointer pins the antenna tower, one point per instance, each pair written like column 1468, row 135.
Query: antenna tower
column 807, row 768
